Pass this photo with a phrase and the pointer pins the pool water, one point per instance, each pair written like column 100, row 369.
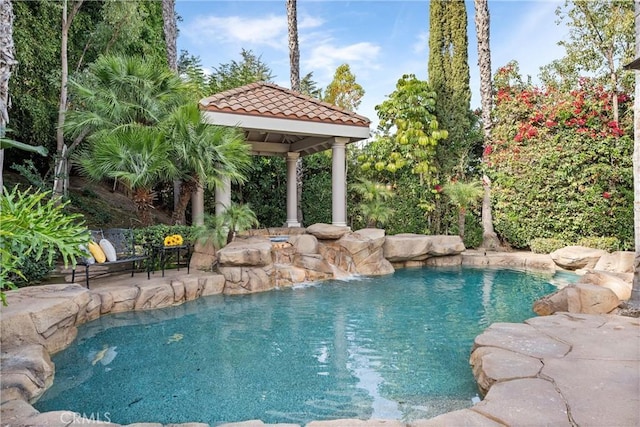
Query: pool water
column 392, row 347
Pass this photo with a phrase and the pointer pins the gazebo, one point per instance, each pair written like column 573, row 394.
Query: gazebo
column 280, row 122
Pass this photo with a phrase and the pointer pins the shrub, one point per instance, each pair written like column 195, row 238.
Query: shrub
column 32, row 270
column 610, row 244
column 546, row 245
column 473, row 231
column 154, row 235
column 35, row 229
column 560, row 165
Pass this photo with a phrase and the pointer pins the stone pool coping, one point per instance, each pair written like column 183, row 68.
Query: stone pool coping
column 565, row 369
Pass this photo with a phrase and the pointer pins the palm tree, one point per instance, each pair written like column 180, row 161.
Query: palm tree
column 170, row 33
column 7, row 62
column 170, row 30
column 489, row 237
column 238, row 218
column 137, row 156
column 373, row 206
column 125, row 96
column 120, row 91
column 463, row 195
column 204, row 154
column 294, row 74
column 294, row 49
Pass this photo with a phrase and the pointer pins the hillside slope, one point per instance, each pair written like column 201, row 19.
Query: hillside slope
column 101, row 206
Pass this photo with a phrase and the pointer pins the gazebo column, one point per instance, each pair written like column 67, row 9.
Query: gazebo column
column 339, row 182
column 292, row 191
column 222, row 194
column 197, row 206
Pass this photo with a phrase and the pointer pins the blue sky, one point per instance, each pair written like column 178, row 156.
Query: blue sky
column 380, row 40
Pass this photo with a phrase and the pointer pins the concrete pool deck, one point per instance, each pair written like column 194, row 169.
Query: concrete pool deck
column 564, row 369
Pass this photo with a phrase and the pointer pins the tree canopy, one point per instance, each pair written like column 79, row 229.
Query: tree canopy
column 249, row 69
column 344, row 91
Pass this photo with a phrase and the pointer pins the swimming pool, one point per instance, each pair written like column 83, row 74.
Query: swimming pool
column 386, row 347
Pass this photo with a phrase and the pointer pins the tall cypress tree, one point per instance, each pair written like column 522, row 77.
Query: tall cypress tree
column 449, row 78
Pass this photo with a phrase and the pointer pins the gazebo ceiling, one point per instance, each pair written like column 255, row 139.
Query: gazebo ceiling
column 276, row 120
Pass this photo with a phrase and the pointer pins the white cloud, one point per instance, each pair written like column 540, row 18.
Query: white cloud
column 270, row 30
column 327, row 56
column 309, row 22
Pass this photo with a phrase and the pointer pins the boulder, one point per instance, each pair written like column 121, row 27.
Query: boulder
column 304, row 243
column 313, row 263
column 154, row 296
column 178, row 291
column 577, row 257
column 620, row 284
column 93, row 308
column 552, row 303
column 364, row 249
column 288, row 275
column 375, row 235
column 203, row 257
column 246, row 252
column 245, row 280
column 191, row 288
column 338, row 257
column 327, row 231
column 405, row 247
column 123, row 297
column 27, row 368
column 444, row 261
column 579, row 298
column 212, row 285
column 445, row 245
column 44, row 315
column 418, row 247
column 591, row 299
column 618, row 262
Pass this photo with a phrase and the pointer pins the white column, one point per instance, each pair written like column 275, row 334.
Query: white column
column 339, row 182
column 292, row 191
column 222, row 194
column 197, row 207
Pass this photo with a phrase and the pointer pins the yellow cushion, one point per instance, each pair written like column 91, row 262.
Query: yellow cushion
column 108, row 249
column 97, row 252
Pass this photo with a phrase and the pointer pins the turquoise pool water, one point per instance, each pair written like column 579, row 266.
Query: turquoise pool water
column 389, row 347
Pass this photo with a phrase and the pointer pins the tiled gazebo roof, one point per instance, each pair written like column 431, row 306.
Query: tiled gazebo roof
column 270, row 100
column 278, row 120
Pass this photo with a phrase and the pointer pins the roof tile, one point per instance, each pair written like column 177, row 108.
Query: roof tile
column 270, row 100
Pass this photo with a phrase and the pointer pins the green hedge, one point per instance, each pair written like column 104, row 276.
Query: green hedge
column 546, row 245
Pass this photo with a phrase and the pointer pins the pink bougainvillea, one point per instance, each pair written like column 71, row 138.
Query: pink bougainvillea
column 556, row 157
